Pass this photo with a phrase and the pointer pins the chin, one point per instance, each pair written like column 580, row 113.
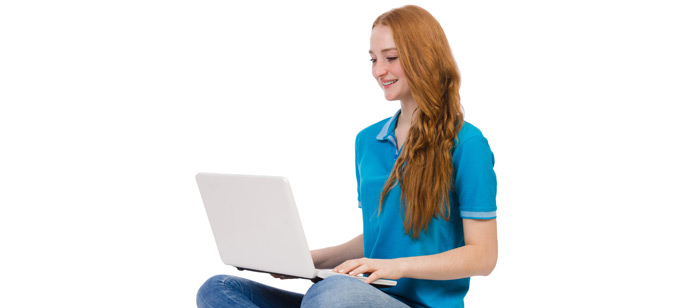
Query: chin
column 391, row 98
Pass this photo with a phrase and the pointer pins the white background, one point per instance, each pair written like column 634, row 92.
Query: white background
column 109, row 108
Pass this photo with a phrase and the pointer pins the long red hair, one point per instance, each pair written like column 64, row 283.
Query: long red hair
column 424, row 169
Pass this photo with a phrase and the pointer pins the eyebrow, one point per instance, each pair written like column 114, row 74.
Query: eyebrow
column 385, row 50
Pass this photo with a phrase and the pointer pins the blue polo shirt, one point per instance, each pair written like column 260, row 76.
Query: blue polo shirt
column 473, row 197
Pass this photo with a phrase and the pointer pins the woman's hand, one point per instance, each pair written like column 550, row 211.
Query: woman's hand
column 377, row 268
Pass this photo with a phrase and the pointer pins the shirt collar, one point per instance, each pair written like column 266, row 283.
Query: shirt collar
column 387, row 132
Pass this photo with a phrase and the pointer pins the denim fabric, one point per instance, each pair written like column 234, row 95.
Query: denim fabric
column 332, row 292
column 231, row 291
column 347, row 292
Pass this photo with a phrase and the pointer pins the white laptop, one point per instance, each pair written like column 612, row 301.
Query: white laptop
column 257, row 227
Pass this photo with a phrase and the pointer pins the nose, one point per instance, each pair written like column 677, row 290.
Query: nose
column 379, row 68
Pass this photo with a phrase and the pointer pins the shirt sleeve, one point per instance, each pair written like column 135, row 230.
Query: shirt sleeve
column 475, row 179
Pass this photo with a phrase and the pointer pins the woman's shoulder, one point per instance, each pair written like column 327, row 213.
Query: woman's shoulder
column 472, row 145
column 468, row 132
column 373, row 130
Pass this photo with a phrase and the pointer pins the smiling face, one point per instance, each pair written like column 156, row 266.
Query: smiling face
column 386, row 66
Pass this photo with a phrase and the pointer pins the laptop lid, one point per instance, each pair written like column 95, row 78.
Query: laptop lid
column 255, row 223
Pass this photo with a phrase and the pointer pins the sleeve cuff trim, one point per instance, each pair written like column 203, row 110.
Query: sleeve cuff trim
column 478, row 215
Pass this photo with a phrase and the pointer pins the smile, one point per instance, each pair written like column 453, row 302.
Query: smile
column 389, row 82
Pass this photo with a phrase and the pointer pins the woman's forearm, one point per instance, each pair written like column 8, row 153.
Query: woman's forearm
column 462, row 262
column 330, row 257
column 477, row 258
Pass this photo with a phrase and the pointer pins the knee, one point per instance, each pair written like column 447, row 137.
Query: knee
column 338, row 283
column 334, row 291
column 208, row 289
column 214, row 287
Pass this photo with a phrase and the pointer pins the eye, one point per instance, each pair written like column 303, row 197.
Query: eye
column 373, row 60
column 392, row 58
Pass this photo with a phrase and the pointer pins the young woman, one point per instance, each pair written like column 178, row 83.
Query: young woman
column 426, row 187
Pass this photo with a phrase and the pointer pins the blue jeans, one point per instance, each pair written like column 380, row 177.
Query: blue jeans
column 335, row 291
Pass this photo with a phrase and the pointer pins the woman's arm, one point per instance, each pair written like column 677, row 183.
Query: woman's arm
column 477, row 257
column 332, row 256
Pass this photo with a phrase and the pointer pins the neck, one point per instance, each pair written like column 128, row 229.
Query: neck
column 408, row 107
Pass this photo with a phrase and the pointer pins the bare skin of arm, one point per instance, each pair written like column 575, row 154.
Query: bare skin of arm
column 477, row 258
column 330, row 257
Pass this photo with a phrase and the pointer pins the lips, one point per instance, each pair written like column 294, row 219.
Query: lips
column 388, row 83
